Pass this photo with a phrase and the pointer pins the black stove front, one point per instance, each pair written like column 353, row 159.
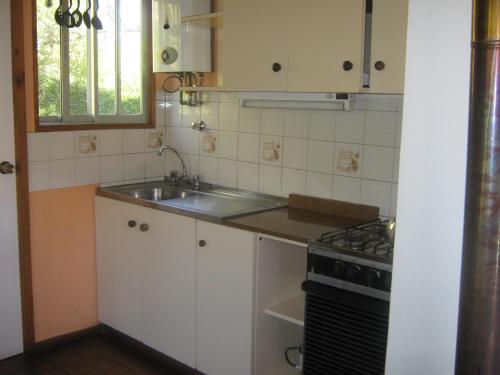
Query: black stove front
column 347, row 302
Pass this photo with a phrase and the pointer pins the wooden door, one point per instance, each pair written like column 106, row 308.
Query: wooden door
column 225, row 296
column 168, row 248
column 119, row 266
column 388, row 53
column 326, row 45
column 255, row 37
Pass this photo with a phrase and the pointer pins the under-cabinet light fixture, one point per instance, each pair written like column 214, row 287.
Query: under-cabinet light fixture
column 279, row 100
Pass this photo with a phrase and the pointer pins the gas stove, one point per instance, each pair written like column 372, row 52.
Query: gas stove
column 347, row 301
column 358, row 259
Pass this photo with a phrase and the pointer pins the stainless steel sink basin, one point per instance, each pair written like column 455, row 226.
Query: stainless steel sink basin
column 156, row 194
column 210, row 202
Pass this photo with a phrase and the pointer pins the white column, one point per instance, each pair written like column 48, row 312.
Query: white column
column 426, row 280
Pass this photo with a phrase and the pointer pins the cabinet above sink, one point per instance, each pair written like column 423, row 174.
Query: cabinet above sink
column 315, row 46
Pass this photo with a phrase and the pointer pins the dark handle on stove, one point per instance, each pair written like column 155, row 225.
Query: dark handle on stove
column 276, row 67
column 202, row 243
column 132, row 223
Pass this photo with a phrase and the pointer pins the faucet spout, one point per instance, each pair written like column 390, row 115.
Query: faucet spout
column 166, row 147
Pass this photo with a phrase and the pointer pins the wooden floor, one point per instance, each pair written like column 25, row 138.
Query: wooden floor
column 101, row 354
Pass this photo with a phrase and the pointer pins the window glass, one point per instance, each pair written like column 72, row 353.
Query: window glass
column 130, row 57
column 78, row 71
column 106, row 56
column 93, row 76
column 49, row 62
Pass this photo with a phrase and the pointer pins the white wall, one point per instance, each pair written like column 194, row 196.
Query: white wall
column 425, row 293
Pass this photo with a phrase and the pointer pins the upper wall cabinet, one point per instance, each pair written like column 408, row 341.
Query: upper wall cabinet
column 326, row 45
column 255, row 45
column 388, row 48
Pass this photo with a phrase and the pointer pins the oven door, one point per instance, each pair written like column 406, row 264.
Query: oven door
column 345, row 332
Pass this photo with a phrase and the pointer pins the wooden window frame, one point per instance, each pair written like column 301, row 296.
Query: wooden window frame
column 151, row 91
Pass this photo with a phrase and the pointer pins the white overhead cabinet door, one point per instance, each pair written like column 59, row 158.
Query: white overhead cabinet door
column 326, row 45
column 389, row 24
column 255, row 45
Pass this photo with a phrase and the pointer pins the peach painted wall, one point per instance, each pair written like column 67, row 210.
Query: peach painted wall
column 63, row 261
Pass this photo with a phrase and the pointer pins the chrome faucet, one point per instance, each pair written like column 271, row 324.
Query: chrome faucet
column 173, row 176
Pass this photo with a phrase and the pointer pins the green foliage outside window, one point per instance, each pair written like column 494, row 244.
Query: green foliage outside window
column 49, row 70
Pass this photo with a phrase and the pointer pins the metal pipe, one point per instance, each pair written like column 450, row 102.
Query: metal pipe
column 478, row 344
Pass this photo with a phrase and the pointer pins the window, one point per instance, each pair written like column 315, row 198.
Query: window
column 88, row 76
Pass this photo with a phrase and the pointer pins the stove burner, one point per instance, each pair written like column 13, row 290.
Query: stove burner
column 366, row 238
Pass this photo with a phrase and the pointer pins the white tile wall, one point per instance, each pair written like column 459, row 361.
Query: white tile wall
column 350, row 156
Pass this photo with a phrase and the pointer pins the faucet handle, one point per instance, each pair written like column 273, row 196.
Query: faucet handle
column 196, row 181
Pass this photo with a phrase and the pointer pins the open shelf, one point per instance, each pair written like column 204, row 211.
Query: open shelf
column 290, row 310
column 215, row 19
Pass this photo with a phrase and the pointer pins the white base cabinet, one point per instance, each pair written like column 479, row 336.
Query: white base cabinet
column 146, row 277
column 181, row 286
column 225, row 298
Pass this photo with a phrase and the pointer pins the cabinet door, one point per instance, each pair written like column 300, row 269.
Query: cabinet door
column 119, row 266
column 255, row 36
column 225, row 296
column 168, row 248
column 325, row 34
column 390, row 20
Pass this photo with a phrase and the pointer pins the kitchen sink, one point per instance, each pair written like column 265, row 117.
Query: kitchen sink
column 210, row 202
column 157, row 194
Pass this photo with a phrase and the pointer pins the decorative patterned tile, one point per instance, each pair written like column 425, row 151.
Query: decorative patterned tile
column 348, row 159
column 271, row 150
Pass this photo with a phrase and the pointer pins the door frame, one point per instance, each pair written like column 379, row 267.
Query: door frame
column 22, row 165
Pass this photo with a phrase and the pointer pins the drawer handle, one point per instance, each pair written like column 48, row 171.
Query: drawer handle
column 144, row 227
column 347, row 65
column 132, row 223
column 276, row 67
column 380, row 65
column 202, row 243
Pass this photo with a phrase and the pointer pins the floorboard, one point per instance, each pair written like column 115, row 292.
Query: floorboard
column 103, row 354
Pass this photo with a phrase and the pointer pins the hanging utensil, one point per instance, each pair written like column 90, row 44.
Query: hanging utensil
column 96, row 22
column 76, row 16
column 58, row 14
column 66, row 16
column 86, row 15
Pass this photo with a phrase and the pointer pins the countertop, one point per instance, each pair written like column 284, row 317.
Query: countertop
column 305, row 218
column 292, row 223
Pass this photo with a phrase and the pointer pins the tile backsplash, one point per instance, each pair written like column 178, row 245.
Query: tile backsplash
column 350, row 156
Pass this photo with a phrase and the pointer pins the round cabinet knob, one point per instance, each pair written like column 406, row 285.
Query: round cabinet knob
column 347, row 65
column 202, row 243
column 166, row 26
column 352, row 272
column 132, row 223
column 276, row 67
column 144, row 227
column 371, row 277
column 380, row 65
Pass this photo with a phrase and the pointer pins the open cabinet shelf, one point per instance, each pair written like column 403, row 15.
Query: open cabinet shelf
column 215, row 19
column 290, row 310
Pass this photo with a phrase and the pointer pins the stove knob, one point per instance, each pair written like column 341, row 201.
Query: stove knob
column 352, row 272
column 371, row 277
column 338, row 269
column 387, row 281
